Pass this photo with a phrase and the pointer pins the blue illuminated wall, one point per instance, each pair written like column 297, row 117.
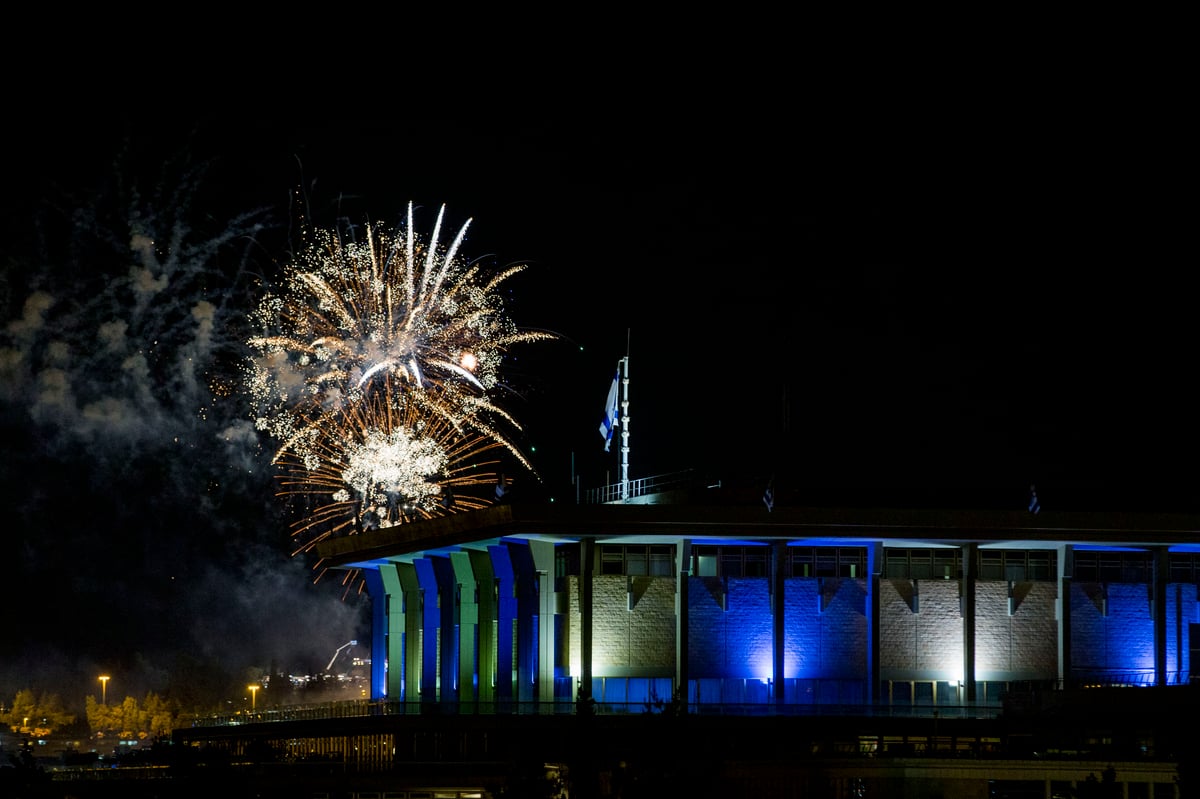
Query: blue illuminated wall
column 1112, row 631
column 825, row 628
column 730, row 627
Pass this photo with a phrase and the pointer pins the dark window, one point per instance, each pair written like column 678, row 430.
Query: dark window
column 755, row 561
column 1042, row 565
column 635, row 561
column 1113, row 567
column 920, row 564
column 612, row 560
column 802, row 562
column 1181, row 568
column 662, row 560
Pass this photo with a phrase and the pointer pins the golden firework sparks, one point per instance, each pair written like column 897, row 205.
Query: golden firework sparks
column 374, row 369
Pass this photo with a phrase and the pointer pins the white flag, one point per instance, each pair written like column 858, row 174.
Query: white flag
column 610, row 412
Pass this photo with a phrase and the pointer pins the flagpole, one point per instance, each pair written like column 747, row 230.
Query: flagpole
column 624, row 366
column 616, row 416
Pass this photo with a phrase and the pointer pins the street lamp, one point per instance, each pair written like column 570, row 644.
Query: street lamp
column 253, row 697
column 104, row 689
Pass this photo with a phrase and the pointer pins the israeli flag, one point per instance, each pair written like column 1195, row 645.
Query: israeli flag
column 610, row 412
column 1035, row 505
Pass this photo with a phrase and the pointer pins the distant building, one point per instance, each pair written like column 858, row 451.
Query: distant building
column 873, row 635
column 727, row 604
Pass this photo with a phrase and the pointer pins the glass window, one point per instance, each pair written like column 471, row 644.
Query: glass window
column 662, row 561
column 612, row 560
column 1087, row 566
column 827, row 562
column 991, row 564
column 896, row 564
column 731, row 561
column 1180, row 567
column 946, row 563
column 1042, row 565
column 635, row 561
column 852, row 561
column 755, row 562
column 802, row 560
column 920, row 564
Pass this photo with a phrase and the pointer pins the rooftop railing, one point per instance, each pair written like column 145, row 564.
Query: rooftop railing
column 643, row 486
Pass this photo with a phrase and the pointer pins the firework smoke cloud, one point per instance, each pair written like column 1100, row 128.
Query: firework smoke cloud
column 138, row 491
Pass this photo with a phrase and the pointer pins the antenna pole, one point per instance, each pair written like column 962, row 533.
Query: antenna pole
column 625, row 421
column 625, row 428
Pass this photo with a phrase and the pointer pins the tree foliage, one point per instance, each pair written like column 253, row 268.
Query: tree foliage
column 153, row 717
column 41, row 715
column 36, row 714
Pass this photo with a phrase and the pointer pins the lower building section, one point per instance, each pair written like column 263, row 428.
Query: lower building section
column 1112, row 742
column 730, row 627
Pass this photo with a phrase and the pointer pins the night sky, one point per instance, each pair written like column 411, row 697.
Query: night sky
column 899, row 314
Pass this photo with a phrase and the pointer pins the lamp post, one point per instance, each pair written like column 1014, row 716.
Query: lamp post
column 253, row 697
column 104, row 689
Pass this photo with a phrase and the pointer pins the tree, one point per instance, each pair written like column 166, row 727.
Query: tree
column 159, row 717
column 153, row 717
column 37, row 714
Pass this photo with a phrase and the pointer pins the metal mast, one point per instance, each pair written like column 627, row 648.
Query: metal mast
column 624, row 369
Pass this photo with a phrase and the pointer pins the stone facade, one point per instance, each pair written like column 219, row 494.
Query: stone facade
column 730, row 633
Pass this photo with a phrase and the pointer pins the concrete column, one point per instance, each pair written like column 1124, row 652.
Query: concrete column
column 1066, row 569
column 525, row 575
column 506, row 615
column 379, row 631
column 396, row 627
column 543, row 564
column 431, row 622
column 485, row 581
column 969, row 556
column 447, row 631
column 1179, row 634
column 874, row 574
column 778, row 572
column 468, row 630
column 413, row 644
column 683, row 572
column 587, row 560
column 1158, row 609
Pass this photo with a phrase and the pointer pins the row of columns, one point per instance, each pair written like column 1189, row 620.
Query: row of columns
column 427, row 616
column 433, row 640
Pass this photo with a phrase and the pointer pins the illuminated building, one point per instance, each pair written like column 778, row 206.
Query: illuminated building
column 800, row 606
column 842, row 651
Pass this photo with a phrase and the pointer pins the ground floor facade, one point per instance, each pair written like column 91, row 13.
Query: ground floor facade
column 724, row 624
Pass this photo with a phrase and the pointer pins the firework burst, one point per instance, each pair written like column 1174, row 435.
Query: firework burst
column 392, row 308
column 388, row 459
column 375, row 368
